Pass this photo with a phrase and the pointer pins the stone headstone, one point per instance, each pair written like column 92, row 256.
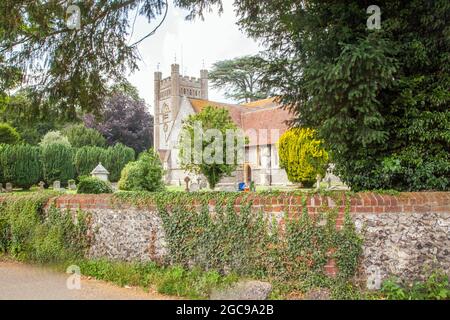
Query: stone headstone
column 72, row 185
column 194, row 187
column 318, row 181
column 41, row 185
column 9, row 187
column 57, row 185
column 244, row 290
column 186, row 180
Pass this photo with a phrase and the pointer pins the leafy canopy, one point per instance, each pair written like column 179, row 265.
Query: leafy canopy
column 378, row 98
column 240, row 78
column 193, row 158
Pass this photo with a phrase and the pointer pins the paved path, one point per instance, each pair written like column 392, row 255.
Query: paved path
column 21, row 281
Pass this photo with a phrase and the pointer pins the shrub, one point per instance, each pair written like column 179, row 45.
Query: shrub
column 146, row 174
column 57, row 163
column 20, row 165
column 80, row 136
column 87, row 158
column 54, row 137
column 117, row 158
column 8, row 134
column 92, row 185
column 302, row 156
column 435, row 287
column 26, row 236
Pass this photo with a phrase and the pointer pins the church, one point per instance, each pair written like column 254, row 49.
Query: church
column 263, row 122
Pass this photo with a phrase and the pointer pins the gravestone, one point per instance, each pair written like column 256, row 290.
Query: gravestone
column 9, row 187
column 57, row 185
column 186, row 180
column 41, row 185
column 72, row 185
column 318, row 180
column 194, row 187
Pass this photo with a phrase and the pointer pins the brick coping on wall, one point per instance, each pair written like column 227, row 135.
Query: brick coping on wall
column 367, row 202
column 360, row 203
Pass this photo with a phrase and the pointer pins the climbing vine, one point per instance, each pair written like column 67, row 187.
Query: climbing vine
column 292, row 249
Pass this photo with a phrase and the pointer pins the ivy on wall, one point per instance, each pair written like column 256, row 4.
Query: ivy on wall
column 252, row 243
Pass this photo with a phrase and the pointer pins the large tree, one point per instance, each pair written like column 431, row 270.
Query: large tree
column 124, row 120
column 240, row 78
column 378, row 97
column 204, row 147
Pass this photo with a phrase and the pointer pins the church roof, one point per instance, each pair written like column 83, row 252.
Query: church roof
column 264, row 103
column 264, row 114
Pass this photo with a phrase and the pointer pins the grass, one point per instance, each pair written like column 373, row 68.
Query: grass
column 173, row 280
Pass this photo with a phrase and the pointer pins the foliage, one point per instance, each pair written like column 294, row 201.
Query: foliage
column 378, row 98
column 92, row 185
column 57, row 163
column 8, row 134
column 174, row 280
column 215, row 147
column 145, row 174
column 32, row 117
column 38, row 31
column 436, row 287
column 54, row 137
column 302, row 156
column 26, row 233
column 116, row 158
column 20, row 165
column 124, row 120
column 251, row 244
column 240, row 78
column 87, row 158
column 80, row 136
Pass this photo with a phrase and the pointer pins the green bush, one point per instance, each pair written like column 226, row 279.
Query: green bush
column 145, row 174
column 302, row 156
column 57, row 163
column 80, row 136
column 117, row 158
column 92, row 185
column 435, row 287
column 54, row 137
column 26, row 235
column 87, row 158
column 8, row 134
column 20, row 165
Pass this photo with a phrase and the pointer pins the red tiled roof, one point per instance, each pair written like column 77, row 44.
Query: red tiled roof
column 258, row 115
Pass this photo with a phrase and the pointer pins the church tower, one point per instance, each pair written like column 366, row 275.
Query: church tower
column 169, row 93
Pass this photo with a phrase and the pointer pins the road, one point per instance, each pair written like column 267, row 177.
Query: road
column 21, row 281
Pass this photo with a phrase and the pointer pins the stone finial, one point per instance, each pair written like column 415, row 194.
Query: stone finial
column 100, row 172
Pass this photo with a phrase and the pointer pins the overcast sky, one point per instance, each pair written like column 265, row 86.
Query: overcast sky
column 216, row 38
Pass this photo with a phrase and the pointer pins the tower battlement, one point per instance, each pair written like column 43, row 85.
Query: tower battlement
column 170, row 90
